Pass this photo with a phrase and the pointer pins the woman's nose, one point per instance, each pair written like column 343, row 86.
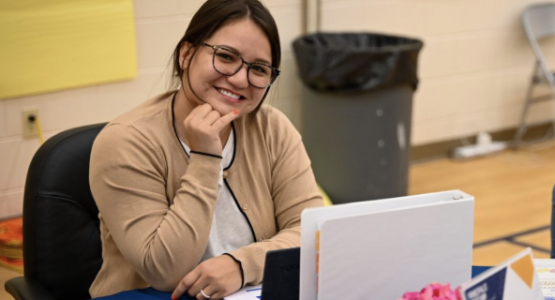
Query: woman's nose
column 240, row 79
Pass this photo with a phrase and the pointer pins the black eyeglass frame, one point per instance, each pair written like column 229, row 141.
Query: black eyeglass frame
column 275, row 71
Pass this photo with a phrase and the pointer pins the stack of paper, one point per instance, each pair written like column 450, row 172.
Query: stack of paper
column 246, row 293
column 546, row 274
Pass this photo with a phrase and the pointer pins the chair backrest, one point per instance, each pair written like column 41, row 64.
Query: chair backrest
column 539, row 20
column 61, row 238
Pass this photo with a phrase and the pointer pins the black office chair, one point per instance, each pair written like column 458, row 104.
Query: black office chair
column 61, row 235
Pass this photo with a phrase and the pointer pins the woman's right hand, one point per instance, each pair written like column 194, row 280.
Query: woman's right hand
column 202, row 129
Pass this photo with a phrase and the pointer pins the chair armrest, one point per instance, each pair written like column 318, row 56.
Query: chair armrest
column 22, row 288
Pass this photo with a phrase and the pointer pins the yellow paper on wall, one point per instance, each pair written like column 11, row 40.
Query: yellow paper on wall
column 59, row 44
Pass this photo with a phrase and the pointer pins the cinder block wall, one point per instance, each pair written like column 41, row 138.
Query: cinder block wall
column 475, row 65
column 474, row 70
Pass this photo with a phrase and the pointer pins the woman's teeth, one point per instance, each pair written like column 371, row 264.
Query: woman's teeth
column 229, row 94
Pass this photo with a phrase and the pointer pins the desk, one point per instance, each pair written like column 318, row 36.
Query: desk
column 152, row 294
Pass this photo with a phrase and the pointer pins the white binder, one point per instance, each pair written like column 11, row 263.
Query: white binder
column 382, row 248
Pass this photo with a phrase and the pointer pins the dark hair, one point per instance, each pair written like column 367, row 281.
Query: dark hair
column 214, row 14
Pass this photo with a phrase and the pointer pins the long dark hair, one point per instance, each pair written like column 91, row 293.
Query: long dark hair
column 213, row 15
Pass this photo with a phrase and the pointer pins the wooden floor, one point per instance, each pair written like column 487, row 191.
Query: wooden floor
column 513, row 200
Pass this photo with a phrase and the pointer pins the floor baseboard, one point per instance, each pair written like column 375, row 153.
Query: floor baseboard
column 427, row 152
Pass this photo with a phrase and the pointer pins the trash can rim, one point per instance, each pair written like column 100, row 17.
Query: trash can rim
column 410, row 43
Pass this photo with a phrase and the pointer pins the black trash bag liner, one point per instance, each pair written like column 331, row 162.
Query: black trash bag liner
column 355, row 62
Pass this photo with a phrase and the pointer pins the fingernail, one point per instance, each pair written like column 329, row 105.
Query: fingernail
column 236, row 112
column 174, row 297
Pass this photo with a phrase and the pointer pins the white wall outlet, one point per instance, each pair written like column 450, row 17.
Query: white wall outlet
column 30, row 128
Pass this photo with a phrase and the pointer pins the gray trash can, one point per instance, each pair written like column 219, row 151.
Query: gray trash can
column 356, row 111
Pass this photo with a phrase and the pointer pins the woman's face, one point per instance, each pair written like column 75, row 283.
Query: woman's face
column 227, row 93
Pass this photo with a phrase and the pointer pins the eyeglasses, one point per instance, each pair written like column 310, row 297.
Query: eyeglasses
column 229, row 62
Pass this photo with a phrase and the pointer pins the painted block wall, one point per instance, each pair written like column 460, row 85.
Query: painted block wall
column 475, row 65
column 474, row 69
column 159, row 26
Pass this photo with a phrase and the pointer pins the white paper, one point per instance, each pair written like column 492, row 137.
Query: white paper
column 247, row 293
column 546, row 275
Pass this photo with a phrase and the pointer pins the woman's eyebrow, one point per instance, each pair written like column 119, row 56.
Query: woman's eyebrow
column 238, row 52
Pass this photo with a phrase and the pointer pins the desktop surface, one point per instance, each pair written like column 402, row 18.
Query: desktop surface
column 152, row 294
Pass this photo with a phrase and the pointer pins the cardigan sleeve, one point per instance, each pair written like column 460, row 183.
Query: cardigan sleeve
column 162, row 242
column 293, row 188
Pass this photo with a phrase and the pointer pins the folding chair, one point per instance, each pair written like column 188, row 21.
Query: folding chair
column 539, row 23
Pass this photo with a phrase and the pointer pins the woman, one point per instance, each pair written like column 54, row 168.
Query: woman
column 196, row 185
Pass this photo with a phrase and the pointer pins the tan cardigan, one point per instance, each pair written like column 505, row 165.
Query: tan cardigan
column 156, row 204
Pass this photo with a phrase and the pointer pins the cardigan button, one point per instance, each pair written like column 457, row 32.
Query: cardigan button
column 225, row 174
column 245, row 207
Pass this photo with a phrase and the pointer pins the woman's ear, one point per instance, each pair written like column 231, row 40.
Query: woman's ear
column 185, row 54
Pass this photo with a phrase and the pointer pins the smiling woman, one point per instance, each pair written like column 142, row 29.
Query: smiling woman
column 196, row 185
column 220, row 78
